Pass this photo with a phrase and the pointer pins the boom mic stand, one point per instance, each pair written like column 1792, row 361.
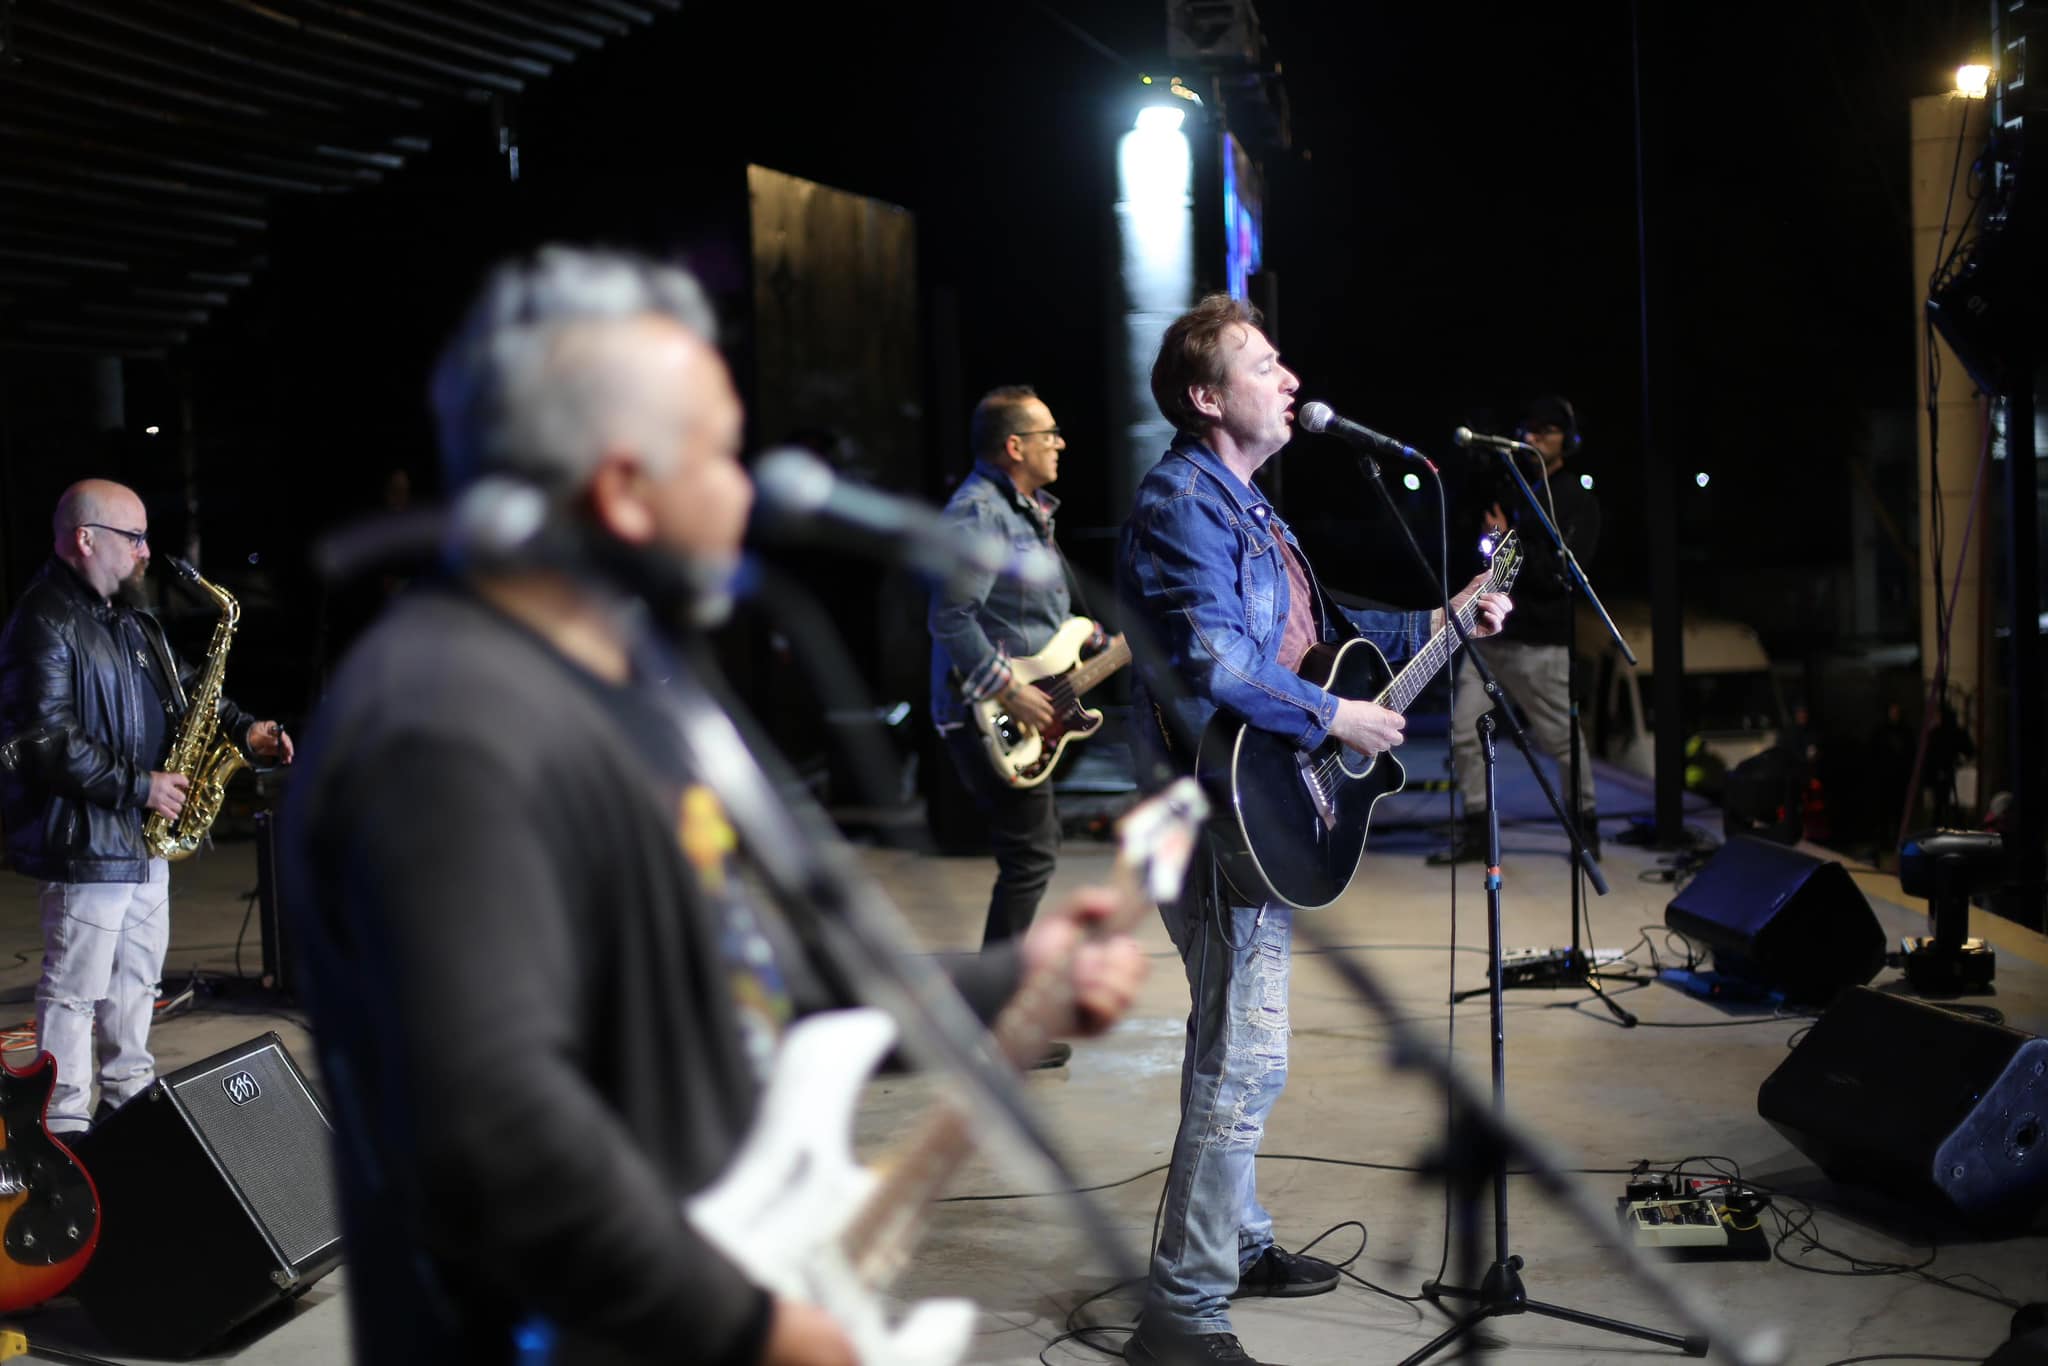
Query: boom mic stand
column 1492, row 1138
column 1500, row 1292
column 850, row 926
column 1571, row 967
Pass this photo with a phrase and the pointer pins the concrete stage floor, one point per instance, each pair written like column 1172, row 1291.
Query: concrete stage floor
column 1343, row 1140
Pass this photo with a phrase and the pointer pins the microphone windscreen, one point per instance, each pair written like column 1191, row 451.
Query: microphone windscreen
column 790, row 482
column 1315, row 416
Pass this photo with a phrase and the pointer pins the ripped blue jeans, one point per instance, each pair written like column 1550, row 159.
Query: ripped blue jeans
column 1231, row 1073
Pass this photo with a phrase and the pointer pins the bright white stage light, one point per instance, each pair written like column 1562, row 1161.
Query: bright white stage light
column 1160, row 118
column 1586, row 482
column 1411, row 483
column 1700, row 479
column 1973, row 82
column 151, row 431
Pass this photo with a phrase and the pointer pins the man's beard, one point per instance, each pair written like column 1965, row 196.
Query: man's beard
column 132, row 591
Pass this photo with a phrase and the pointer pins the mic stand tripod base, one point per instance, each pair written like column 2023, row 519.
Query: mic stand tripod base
column 1470, row 1168
column 1501, row 1293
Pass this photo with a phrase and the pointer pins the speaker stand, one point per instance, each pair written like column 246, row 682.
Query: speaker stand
column 1500, row 1291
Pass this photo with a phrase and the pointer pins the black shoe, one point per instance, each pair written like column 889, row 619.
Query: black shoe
column 1186, row 1349
column 1468, row 844
column 1056, row 1055
column 1285, row 1274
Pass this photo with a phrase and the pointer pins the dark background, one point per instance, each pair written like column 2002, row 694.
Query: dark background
column 1455, row 230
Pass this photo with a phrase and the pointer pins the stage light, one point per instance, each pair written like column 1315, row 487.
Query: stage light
column 1145, row 79
column 1586, row 482
column 1973, row 82
column 1159, row 118
column 1411, row 483
column 1700, row 479
column 151, row 431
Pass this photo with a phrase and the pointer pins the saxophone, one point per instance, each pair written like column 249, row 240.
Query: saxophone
column 199, row 752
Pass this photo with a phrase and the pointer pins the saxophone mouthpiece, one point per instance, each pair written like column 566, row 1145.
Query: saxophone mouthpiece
column 182, row 568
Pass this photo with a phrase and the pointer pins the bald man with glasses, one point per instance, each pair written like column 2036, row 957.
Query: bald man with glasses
column 91, row 696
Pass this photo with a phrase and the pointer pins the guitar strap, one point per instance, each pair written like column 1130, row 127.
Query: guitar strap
column 1077, row 601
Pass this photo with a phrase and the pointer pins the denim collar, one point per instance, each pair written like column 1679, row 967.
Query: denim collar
column 1047, row 503
column 1249, row 500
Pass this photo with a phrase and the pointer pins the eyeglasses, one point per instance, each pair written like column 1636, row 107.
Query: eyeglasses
column 1052, row 432
column 138, row 539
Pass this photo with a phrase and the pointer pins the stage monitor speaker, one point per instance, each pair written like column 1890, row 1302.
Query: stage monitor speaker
column 1780, row 917
column 1920, row 1102
column 217, row 1202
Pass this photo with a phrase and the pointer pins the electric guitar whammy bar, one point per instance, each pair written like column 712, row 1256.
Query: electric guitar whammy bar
column 1024, row 757
column 803, row 1219
column 1292, row 821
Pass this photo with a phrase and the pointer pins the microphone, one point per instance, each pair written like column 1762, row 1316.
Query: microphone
column 1318, row 417
column 1472, row 440
column 799, row 496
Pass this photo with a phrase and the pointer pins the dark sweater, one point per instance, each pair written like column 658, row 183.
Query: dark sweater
column 1542, row 614
column 521, row 1004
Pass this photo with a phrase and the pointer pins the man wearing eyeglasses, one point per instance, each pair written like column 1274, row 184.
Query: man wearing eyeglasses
column 91, row 695
column 979, row 623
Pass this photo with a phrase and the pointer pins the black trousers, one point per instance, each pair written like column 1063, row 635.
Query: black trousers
column 1023, row 828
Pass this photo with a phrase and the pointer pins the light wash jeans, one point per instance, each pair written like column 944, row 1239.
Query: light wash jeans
column 103, row 956
column 1231, row 1073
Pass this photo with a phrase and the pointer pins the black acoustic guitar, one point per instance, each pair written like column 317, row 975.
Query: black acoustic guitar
column 1290, row 823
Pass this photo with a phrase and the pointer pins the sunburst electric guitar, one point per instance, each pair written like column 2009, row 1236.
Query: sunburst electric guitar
column 49, row 1211
column 1291, row 822
column 1022, row 756
column 805, row 1220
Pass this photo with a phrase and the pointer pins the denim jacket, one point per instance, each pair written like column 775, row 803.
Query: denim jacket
column 980, row 622
column 1199, row 568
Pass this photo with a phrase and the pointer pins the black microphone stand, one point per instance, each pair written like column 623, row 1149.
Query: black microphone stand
column 855, row 934
column 1500, row 1291
column 1570, row 967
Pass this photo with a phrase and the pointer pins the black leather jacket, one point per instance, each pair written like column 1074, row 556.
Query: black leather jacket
column 71, row 801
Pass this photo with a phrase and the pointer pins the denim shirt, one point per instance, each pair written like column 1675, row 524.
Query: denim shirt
column 1199, row 566
column 980, row 622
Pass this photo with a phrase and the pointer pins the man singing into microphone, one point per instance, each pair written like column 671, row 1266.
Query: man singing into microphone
column 980, row 623
column 1211, row 569
column 1530, row 659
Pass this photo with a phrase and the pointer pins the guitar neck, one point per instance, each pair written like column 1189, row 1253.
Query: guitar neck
column 1405, row 686
column 1089, row 672
column 1157, row 838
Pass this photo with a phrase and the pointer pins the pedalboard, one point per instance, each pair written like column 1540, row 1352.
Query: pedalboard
column 1693, row 1220
column 1533, row 967
column 1676, row 1223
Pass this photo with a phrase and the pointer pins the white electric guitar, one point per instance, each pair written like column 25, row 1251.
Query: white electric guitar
column 1022, row 756
column 806, row 1221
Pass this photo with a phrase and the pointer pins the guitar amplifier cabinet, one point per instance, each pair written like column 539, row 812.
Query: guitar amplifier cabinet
column 217, row 1199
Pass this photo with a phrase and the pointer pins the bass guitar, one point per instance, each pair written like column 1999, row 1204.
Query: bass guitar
column 805, row 1220
column 1292, row 822
column 1022, row 756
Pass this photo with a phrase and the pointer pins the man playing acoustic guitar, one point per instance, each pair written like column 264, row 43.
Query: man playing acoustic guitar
column 1209, row 567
